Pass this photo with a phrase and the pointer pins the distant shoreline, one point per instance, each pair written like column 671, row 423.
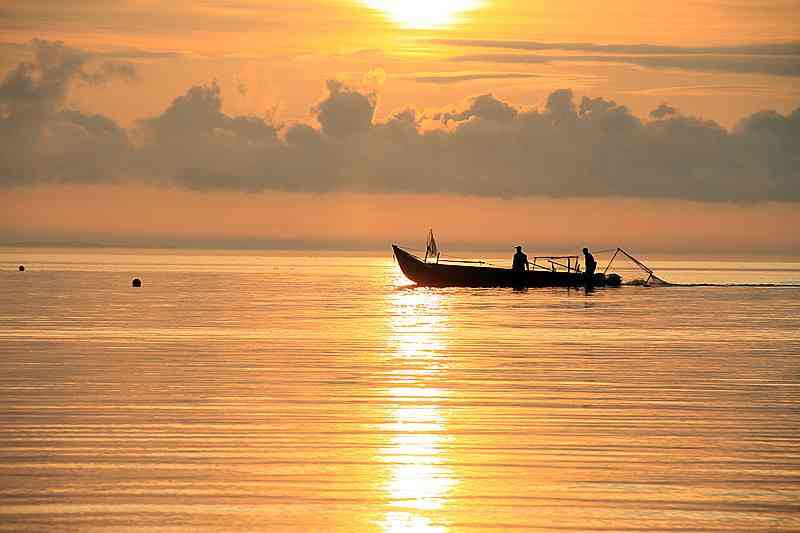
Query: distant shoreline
column 371, row 249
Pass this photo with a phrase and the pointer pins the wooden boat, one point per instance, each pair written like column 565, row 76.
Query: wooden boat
column 452, row 274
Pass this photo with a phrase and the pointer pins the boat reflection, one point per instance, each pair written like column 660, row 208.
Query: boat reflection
column 419, row 478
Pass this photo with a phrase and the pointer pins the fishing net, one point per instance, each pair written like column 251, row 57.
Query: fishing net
column 655, row 281
column 633, row 271
column 648, row 281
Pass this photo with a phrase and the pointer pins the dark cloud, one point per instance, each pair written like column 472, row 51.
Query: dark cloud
column 485, row 107
column 594, row 147
column 110, row 70
column 43, row 141
column 560, row 106
column 41, row 85
column 775, row 65
column 663, row 111
column 194, row 143
column 345, row 111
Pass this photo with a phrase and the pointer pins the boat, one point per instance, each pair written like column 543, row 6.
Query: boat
column 557, row 271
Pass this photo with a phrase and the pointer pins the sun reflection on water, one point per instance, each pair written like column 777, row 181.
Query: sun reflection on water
column 420, row 478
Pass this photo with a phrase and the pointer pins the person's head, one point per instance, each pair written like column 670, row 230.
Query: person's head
column 519, row 248
column 585, row 250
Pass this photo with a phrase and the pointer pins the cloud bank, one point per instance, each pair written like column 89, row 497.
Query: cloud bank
column 594, row 147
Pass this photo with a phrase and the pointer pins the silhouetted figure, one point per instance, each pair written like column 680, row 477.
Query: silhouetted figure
column 22, row 268
column 518, row 268
column 591, row 265
column 520, row 263
column 136, row 282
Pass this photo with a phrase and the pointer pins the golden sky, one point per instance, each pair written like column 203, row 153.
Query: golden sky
column 351, row 103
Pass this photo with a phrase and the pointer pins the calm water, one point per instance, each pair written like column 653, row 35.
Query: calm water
column 281, row 392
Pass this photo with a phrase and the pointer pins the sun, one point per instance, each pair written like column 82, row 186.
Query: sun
column 423, row 14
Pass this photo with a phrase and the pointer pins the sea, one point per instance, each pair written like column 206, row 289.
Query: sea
column 322, row 391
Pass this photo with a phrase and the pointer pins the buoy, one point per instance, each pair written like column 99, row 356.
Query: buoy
column 136, row 282
column 22, row 268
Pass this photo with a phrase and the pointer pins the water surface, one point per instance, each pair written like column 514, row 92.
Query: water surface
column 265, row 391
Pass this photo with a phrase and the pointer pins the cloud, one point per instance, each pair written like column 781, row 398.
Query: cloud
column 443, row 78
column 42, row 84
column 44, row 141
column 136, row 53
column 776, row 65
column 345, row 111
column 776, row 49
column 110, row 70
column 592, row 147
column 195, row 144
column 777, row 59
column 375, row 77
column 485, row 107
column 663, row 111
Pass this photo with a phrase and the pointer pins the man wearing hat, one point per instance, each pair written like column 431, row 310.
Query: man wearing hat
column 520, row 263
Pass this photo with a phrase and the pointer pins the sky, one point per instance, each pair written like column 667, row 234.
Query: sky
column 670, row 127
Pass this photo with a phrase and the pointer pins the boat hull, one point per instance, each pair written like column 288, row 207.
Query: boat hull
column 448, row 275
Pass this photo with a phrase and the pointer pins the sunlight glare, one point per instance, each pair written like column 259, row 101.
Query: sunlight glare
column 420, row 478
column 423, row 14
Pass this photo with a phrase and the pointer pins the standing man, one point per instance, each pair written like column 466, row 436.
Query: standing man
column 518, row 268
column 591, row 265
column 520, row 263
